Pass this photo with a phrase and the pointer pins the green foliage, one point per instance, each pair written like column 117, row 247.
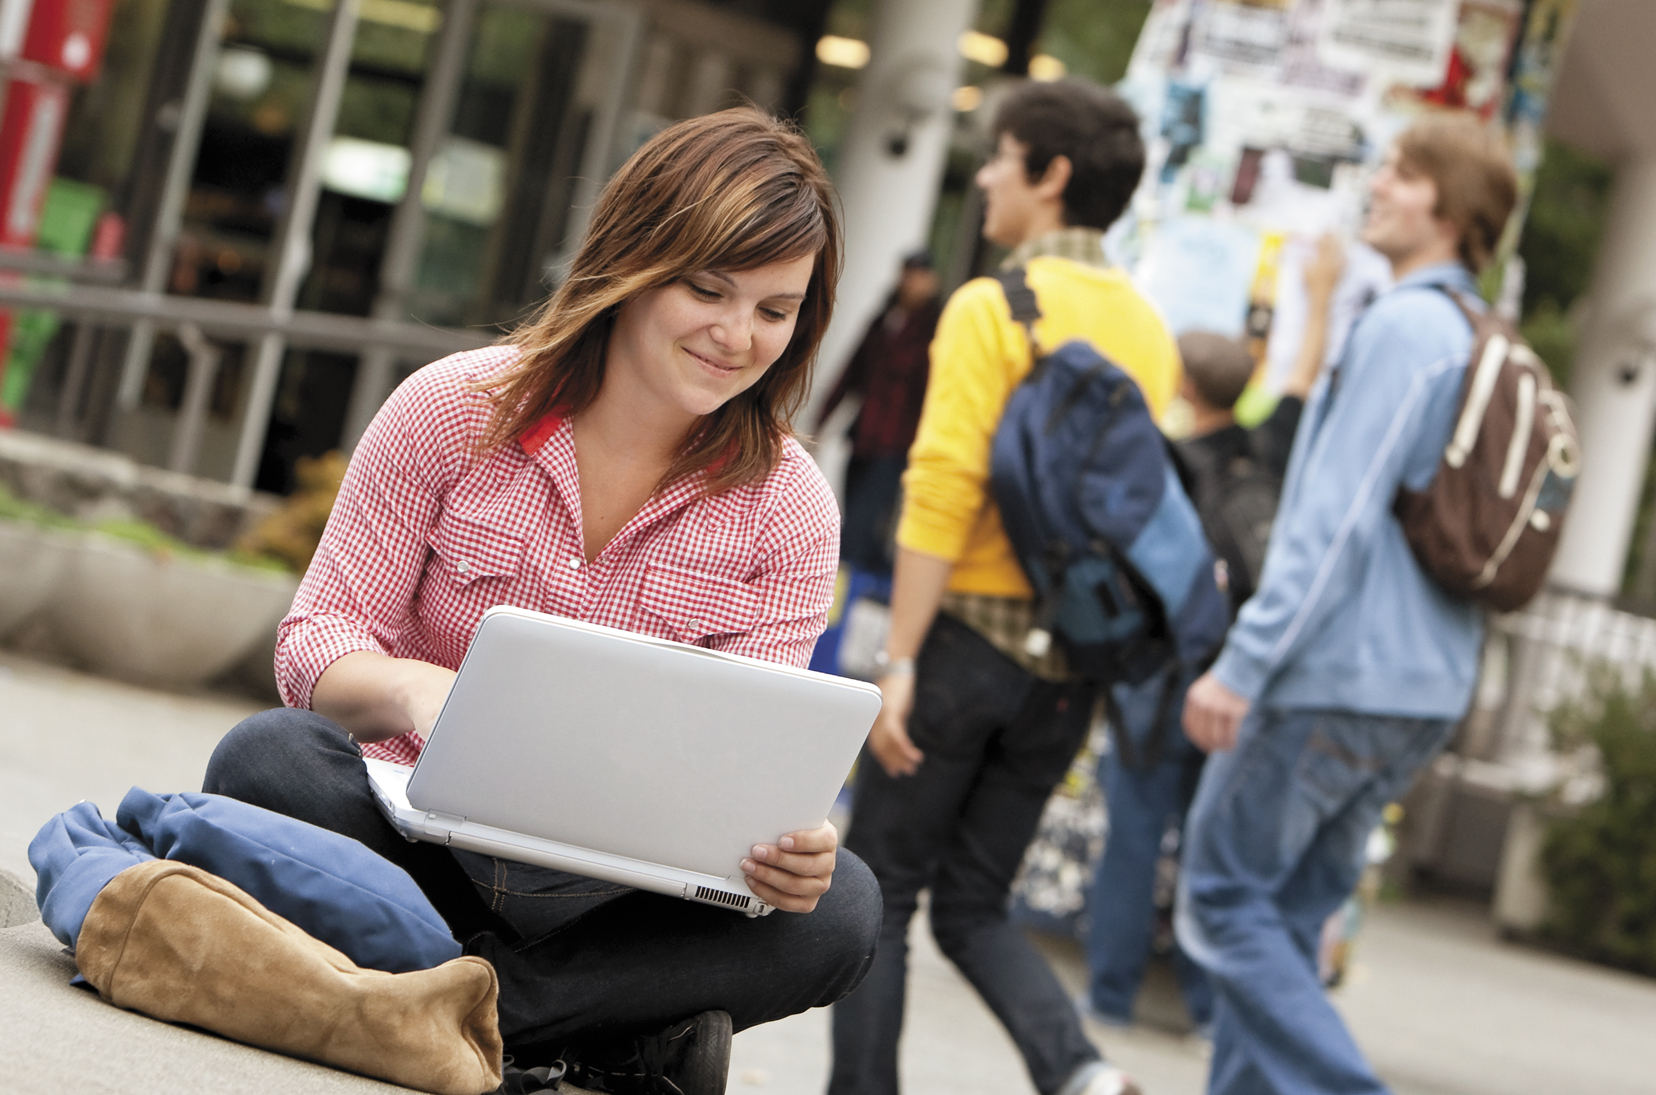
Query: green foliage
column 1094, row 38
column 282, row 26
column 139, row 533
column 1552, row 334
column 1561, row 239
column 1600, row 863
column 144, row 535
column 1561, row 233
column 13, row 508
column 851, row 19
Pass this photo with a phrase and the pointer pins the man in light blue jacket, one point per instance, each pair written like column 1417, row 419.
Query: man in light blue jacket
column 1348, row 669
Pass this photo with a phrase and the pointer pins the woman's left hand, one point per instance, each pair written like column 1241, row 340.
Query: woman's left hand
column 795, row 872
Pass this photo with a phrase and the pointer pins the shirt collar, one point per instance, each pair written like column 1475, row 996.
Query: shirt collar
column 1078, row 244
column 540, row 433
column 550, row 443
column 1452, row 274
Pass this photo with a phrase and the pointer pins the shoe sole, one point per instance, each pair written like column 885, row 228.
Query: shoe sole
column 706, row 1070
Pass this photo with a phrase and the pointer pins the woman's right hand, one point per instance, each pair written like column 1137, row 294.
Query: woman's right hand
column 889, row 740
column 424, row 691
column 375, row 697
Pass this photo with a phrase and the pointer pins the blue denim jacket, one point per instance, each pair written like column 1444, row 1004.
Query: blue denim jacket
column 1344, row 618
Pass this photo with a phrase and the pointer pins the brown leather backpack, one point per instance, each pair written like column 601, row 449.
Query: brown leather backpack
column 1487, row 525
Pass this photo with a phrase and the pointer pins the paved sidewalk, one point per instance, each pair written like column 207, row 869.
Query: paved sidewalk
column 1442, row 1007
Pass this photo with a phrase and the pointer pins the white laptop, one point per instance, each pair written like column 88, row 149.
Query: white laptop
column 612, row 755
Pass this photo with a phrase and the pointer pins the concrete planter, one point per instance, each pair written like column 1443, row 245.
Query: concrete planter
column 32, row 560
column 255, row 673
column 1522, row 895
column 173, row 621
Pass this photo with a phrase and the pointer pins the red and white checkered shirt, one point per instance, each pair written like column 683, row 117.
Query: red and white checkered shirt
column 426, row 536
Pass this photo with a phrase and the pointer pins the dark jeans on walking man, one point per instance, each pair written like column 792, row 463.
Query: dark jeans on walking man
column 1147, row 793
column 575, row 956
column 873, row 486
column 997, row 739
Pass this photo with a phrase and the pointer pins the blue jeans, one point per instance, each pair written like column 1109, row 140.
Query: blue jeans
column 577, row 958
column 872, row 486
column 1146, row 796
column 997, row 740
column 1274, row 844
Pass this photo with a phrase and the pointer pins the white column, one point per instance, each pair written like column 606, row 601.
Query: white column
column 1614, row 386
column 889, row 195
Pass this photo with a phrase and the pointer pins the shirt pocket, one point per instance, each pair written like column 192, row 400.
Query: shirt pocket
column 468, row 550
column 695, row 605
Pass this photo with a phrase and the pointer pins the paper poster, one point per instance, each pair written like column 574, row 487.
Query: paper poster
column 1545, row 32
column 1304, row 66
column 1408, row 40
column 1198, row 271
column 1161, row 41
column 1475, row 75
column 1367, row 275
column 1244, row 33
column 1265, row 119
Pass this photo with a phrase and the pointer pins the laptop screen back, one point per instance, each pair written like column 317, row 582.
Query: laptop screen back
column 638, row 747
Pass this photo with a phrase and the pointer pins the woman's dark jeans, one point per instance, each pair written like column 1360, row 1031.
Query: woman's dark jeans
column 576, row 957
column 997, row 740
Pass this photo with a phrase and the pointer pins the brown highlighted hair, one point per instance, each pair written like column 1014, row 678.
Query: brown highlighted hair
column 1091, row 126
column 729, row 191
column 1477, row 187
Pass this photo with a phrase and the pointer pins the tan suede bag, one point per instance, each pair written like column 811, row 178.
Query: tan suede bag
column 179, row 944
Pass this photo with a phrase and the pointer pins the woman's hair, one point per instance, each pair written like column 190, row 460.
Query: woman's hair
column 729, row 191
column 1476, row 185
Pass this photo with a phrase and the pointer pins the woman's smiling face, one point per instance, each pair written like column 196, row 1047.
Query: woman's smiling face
column 693, row 345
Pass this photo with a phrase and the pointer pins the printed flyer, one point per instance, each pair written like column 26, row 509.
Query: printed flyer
column 1264, row 120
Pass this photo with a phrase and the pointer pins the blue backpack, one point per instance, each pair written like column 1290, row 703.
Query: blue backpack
column 1091, row 499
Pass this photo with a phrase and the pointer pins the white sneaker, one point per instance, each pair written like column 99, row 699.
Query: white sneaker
column 1104, row 1079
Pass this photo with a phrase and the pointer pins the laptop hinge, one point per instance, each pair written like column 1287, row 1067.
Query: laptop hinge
column 443, row 825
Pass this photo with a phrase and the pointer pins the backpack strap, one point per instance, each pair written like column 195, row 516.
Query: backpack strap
column 1475, row 318
column 1021, row 299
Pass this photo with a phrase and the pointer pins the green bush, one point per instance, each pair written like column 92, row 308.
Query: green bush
column 13, row 508
column 1600, row 861
column 139, row 533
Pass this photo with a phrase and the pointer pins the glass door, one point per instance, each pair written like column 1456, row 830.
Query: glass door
column 531, row 141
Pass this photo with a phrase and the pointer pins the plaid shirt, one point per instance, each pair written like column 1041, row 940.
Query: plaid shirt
column 427, row 535
column 889, row 369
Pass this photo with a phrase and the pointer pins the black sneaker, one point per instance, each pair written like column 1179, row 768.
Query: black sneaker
column 689, row 1057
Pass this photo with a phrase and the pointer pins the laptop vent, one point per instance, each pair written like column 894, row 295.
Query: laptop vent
column 734, row 900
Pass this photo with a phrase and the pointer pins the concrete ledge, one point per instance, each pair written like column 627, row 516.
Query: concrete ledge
column 60, row 1038
column 171, row 622
column 31, row 562
column 93, row 484
column 17, row 901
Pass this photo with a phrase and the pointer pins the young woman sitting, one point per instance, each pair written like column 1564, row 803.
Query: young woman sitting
column 623, row 459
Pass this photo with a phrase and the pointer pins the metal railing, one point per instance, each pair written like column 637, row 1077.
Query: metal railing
column 197, row 320
column 143, row 305
column 1548, row 655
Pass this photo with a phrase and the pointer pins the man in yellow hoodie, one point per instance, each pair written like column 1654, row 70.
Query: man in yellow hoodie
column 975, row 732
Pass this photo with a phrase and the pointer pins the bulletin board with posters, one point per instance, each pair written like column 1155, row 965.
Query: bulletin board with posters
column 1263, row 122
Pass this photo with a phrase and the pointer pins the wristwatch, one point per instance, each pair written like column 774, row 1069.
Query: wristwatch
column 887, row 666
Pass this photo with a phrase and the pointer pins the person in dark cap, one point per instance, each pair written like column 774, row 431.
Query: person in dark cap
column 889, row 372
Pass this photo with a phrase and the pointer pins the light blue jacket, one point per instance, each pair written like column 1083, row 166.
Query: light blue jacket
column 1344, row 618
